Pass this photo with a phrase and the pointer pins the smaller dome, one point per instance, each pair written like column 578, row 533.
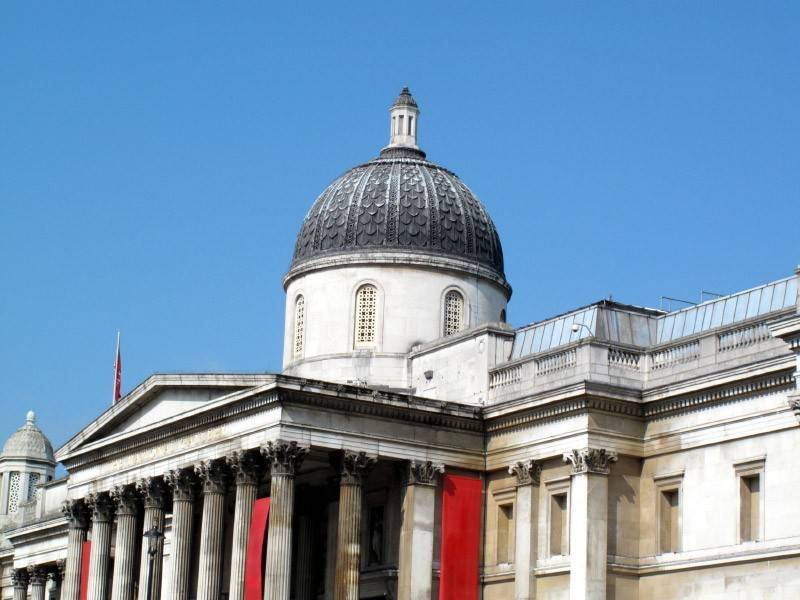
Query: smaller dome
column 405, row 98
column 28, row 442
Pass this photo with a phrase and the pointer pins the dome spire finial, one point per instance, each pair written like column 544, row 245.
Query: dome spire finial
column 404, row 121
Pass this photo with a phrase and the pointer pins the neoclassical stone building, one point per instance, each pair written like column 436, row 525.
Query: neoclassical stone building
column 415, row 446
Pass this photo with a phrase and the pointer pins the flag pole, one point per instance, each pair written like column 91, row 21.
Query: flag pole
column 117, row 374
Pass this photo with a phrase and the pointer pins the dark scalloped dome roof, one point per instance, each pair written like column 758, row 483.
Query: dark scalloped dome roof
column 402, row 202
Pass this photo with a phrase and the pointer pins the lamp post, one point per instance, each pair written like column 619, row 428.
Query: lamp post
column 577, row 326
column 153, row 537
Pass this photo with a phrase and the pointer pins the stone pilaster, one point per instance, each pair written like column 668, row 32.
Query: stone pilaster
column 154, row 494
column 284, row 461
column 37, row 579
column 127, row 505
column 77, row 522
column 183, row 485
column 415, row 569
column 247, row 469
column 102, row 517
column 305, row 571
column 588, row 528
column 527, row 474
column 330, row 537
column 214, row 479
column 352, row 468
column 19, row 580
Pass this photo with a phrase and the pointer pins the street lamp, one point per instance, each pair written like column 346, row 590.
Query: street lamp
column 576, row 327
column 153, row 537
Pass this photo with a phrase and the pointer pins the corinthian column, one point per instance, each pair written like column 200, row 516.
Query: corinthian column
column 415, row 569
column 183, row 487
column 284, row 460
column 588, row 526
column 55, row 576
column 304, row 573
column 37, row 577
column 247, row 468
column 353, row 468
column 213, row 477
column 19, row 579
column 126, row 502
column 527, row 473
column 102, row 517
column 154, row 492
column 77, row 522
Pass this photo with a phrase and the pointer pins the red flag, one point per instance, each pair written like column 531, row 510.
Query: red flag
column 117, row 374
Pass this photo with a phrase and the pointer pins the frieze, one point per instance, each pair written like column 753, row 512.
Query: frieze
column 591, row 460
column 527, row 472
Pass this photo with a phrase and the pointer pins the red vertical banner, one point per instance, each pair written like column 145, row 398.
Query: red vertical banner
column 86, row 553
column 461, row 537
column 254, row 563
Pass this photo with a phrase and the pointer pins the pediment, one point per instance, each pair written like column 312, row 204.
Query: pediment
column 159, row 399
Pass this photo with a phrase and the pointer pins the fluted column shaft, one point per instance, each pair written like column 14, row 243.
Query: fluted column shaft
column 102, row 517
column 125, row 544
column 154, row 492
column 304, row 579
column 527, row 473
column 284, row 460
column 75, row 511
column 246, row 468
column 37, row 578
column 183, row 495
column 353, row 467
column 214, row 480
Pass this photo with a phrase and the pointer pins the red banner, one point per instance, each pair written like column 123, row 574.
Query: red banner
column 461, row 537
column 86, row 553
column 254, row 564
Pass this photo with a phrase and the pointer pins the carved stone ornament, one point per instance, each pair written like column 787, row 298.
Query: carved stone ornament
column 183, row 484
column 591, row 460
column 153, row 490
column 37, row 575
column 126, row 499
column 102, row 507
column 213, row 476
column 76, row 513
column 57, row 574
column 794, row 401
column 353, row 467
column 246, row 467
column 19, row 578
column 423, row 473
column 284, row 458
column 527, row 472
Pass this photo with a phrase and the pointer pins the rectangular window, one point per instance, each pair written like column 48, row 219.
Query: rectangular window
column 668, row 521
column 505, row 530
column 750, row 491
column 559, row 529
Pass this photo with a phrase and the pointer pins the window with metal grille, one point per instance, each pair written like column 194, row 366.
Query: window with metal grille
column 299, row 325
column 366, row 313
column 453, row 312
column 33, row 480
column 13, row 492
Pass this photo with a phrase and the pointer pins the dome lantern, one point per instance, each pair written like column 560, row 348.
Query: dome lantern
column 404, row 121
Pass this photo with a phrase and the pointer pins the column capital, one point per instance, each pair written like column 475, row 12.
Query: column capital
column 422, row 472
column 213, row 476
column 37, row 575
column 527, row 472
column 19, row 578
column 590, row 460
column 183, row 484
column 101, row 506
column 153, row 490
column 57, row 573
column 246, row 466
column 284, row 458
column 76, row 512
column 126, row 500
column 352, row 467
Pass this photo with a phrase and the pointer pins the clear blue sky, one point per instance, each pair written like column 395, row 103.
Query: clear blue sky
column 156, row 161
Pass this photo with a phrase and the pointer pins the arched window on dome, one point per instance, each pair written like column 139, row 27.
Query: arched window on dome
column 299, row 326
column 453, row 312
column 366, row 316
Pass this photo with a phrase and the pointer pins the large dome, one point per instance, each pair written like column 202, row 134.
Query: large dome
column 28, row 442
column 396, row 203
